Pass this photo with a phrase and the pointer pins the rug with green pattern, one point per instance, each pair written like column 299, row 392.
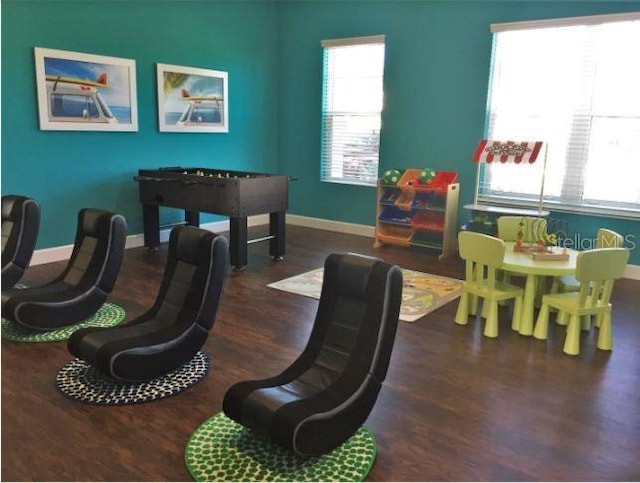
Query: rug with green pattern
column 108, row 315
column 223, row 450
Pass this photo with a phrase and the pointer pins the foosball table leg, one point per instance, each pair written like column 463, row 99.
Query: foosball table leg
column 277, row 232
column 151, row 224
column 238, row 242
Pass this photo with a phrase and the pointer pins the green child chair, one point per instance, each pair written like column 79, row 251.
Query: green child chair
column 534, row 228
column 604, row 239
column 485, row 253
column 596, row 270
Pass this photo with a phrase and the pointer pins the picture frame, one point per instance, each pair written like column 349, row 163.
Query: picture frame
column 85, row 92
column 192, row 100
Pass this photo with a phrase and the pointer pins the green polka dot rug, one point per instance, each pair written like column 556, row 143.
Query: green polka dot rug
column 109, row 315
column 223, row 450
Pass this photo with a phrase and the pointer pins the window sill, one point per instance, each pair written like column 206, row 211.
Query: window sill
column 623, row 213
column 350, row 182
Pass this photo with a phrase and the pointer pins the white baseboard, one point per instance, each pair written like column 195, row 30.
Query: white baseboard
column 49, row 255
column 330, row 225
column 55, row 254
column 632, row 272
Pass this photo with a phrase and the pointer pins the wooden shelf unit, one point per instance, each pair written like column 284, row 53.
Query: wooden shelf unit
column 415, row 215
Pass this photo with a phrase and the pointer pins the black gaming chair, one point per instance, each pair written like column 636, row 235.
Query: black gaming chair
column 176, row 327
column 83, row 286
column 20, row 223
column 322, row 399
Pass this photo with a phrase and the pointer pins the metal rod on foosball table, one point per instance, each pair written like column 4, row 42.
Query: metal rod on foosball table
column 261, row 239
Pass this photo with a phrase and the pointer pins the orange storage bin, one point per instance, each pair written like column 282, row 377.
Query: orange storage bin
column 405, row 200
column 398, row 235
column 409, row 179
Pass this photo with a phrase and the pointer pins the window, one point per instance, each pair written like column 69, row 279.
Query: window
column 573, row 83
column 351, row 109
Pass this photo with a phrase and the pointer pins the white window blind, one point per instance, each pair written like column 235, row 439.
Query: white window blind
column 351, row 109
column 576, row 87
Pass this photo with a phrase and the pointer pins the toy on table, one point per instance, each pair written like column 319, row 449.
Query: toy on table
column 550, row 240
column 534, row 231
column 542, row 246
column 519, row 235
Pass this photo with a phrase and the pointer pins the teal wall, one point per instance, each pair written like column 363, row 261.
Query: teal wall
column 436, row 78
column 436, row 73
column 66, row 171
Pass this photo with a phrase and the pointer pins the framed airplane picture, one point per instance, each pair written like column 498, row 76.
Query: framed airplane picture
column 192, row 99
column 85, row 92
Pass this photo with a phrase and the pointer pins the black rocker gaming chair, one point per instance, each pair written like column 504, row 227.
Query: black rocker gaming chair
column 176, row 327
column 83, row 286
column 20, row 223
column 322, row 399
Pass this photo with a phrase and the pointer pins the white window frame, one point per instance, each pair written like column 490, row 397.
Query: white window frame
column 483, row 193
column 328, row 148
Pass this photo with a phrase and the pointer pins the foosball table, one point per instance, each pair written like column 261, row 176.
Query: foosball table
column 236, row 194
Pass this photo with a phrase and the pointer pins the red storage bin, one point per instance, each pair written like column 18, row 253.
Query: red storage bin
column 428, row 220
column 439, row 183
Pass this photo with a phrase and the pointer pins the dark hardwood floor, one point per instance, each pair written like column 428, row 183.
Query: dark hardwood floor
column 455, row 405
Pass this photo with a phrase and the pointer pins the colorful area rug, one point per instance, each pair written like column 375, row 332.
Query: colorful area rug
column 422, row 293
column 223, row 450
column 86, row 384
column 108, row 315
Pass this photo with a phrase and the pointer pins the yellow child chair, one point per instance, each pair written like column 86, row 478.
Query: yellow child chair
column 596, row 270
column 604, row 239
column 532, row 231
column 480, row 251
column 534, row 228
